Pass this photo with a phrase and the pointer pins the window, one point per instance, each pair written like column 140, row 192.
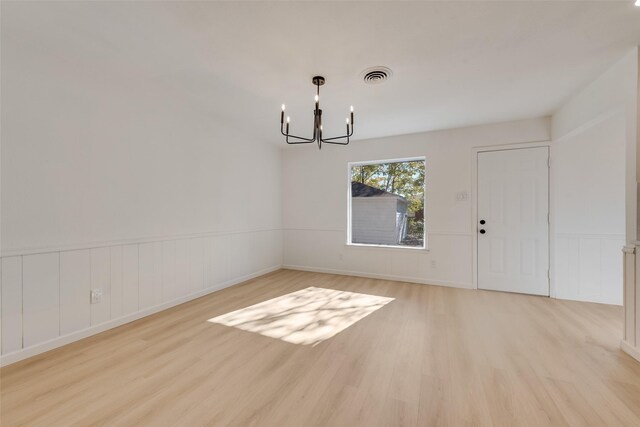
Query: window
column 386, row 203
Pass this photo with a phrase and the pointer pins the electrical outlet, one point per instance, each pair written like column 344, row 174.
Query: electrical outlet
column 96, row 296
column 433, row 263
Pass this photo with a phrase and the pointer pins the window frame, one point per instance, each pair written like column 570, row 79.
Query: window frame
column 349, row 243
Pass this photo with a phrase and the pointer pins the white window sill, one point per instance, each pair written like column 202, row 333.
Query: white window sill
column 386, row 247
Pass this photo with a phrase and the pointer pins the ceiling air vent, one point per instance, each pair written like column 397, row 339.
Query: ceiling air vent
column 376, row 75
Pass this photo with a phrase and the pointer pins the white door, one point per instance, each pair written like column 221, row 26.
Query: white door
column 513, row 220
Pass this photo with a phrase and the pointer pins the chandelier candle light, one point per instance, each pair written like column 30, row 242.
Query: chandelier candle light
column 317, row 124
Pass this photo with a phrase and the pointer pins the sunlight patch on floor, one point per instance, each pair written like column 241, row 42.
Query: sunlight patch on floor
column 308, row 316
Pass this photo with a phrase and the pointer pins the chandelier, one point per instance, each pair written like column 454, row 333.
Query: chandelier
column 317, row 124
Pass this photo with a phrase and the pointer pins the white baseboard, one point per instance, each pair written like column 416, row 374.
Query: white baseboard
column 579, row 298
column 34, row 350
column 630, row 350
column 381, row 276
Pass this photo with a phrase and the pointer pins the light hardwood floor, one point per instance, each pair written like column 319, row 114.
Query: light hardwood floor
column 433, row 356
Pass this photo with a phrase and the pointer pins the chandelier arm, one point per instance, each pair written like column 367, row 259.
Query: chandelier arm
column 297, row 142
column 348, row 135
column 287, row 135
column 301, row 139
column 335, row 138
column 335, row 142
column 338, row 137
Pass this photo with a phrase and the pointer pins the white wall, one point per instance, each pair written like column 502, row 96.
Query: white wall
column 93, row 161
column 315, row 188
column 597, row 130
column 589, row 211
column 115, row 177
column 614, row 92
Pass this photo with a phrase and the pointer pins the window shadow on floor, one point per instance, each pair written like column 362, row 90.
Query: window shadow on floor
column 308, row 316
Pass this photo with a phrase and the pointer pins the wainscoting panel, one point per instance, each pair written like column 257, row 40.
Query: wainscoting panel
column 150, row 274
column 75, row 284
column 631, row 342
column 240, row 254
column 115, row 282
column 446, row 263
column 168, row 270
column 40, row 298
column 216, row 261
column 196, row 265
column 101, row 279
column 130, row 269
column 136, row 280
column 634, row 306
column 588, row 268
column 11, row 304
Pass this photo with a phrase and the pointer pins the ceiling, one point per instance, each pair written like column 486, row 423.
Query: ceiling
column 455, row 63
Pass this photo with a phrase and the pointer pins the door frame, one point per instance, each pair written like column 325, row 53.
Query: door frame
column 474, row 205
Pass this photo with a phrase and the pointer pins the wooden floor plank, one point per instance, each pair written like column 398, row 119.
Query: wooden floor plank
column 432, row 356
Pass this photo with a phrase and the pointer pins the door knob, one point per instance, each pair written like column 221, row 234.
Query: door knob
column 482, row 231
column 483, row 222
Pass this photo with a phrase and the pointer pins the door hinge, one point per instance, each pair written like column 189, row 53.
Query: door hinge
column 548, row 273
column 548, row 218
column 549, row 161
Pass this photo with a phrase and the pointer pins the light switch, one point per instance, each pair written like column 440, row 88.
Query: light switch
column 462, row 196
